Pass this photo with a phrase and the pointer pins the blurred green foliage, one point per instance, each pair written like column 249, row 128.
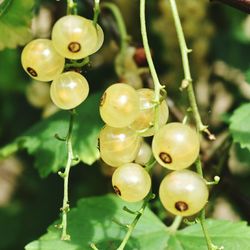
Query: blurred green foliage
column 35, row 202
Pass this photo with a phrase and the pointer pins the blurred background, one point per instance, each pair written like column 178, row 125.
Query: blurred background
column 220, row 39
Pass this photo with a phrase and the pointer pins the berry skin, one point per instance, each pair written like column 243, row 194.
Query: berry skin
column 41, row 61
column 144, row 154
column 119, row 105
column 118, row 145
column 183, row 192
column 131, row 182
column 37, row 94
column 76, row 37
column 176, row 146
column 145, row 120
column 69, row 90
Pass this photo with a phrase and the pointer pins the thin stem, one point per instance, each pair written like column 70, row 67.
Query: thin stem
column 157, row 86
column 199, row 167
column 120, row 25
column 191, row 96
column 70, row 157
column 71, row 7
column 186, row 68
column 150, row 164
column 124, row 38
column 156, row 81
column 202, row 219
column 93, row 246
column 202, row 216
column 131, row 226
column 175, row 224
column 75, row 64
column 96, row 11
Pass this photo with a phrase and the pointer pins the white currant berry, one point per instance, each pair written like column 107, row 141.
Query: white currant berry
column 76, row 37
column 131, row 182
column 119, row 105
column 118, row 145
column 144, row 122
column 176, row 146
column 183, row 192
column 69, row 90
column 41, row 61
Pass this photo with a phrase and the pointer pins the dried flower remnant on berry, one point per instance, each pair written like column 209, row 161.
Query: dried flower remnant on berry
column 32, row 71
column 181, row 206
column 165, row 157
column 117, row 190
column 74, row 47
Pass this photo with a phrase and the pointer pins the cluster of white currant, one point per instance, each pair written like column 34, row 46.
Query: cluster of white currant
column 73, row 37
column 129, row 114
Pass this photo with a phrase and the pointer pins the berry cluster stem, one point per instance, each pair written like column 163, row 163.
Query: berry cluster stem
column 191, row 96
column 65, row 175
column 157, row 86
column 96, row 11
column 131, row 226
column 71, row 7
column 76, row 64
column 156, row 81
column 187, row 82
column 120, row 25
column 175, row 224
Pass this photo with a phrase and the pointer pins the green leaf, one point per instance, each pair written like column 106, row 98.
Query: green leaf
column 239, row 125
column 50, row 153
column 242, row 154
column 238, row 24
column 91, row 222
column 247, row 75
column 15, row 20
column 231, row 235
column 13, row 77
column 4, row 5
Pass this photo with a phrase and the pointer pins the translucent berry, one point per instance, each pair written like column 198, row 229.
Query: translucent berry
column 118, row 145
column 76, row 37
column 131, row 182
column 176, row 146
column 69, row 90
column 119, row 105
column 183, row 192
column 41, row 61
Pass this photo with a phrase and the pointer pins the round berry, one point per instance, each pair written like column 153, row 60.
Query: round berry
column 76, row 37
column 69, row 90
column 176, row 146
column 144, row 122
column 41, row 61
column 118, row 145
column 183, row 192
column 119, row 105
column 144, row 154
column 131, row 182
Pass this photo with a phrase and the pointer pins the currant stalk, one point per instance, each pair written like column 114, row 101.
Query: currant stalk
column 96, row 11
column 187, row 83
column 132, row 225
column 65, row 175
column 157, row 86
column 76, row 64
column 124, row 38
column 71, row 7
